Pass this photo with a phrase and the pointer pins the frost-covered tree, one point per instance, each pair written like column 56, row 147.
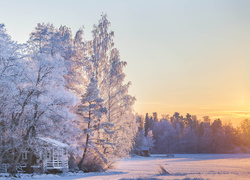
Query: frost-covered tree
column 245, row 128
column 142, row 141
column 105, row 62
column 189, row 141
column 140, row 122
column 91, row 111
column 59, row 41
column 149, row 141
column 218, row 138
column 41, row 98
column 165, row 137
column 230, row 138
column 147, row 124
column 10, row 70
column 155, row 117
column 205, row 138
column 52, row 51
column 44, row 104
column 119, row 107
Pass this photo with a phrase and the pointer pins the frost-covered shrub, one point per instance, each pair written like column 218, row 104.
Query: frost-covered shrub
column 94, row 163
column 73, row 162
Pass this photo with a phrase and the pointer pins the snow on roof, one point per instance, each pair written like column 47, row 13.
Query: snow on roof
column 53, row 142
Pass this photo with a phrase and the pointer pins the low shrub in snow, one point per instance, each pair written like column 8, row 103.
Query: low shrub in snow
column 93, row 163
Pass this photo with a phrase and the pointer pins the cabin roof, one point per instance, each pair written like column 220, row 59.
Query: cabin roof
column 53, row 142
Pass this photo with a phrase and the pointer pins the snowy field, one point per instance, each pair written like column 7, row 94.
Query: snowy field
column 182, row 166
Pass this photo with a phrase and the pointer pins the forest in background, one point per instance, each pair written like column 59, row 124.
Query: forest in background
column 187, row 134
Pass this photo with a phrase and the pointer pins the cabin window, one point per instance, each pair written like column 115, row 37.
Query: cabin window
column 40, row 155
column 24, row 155
column 55, row 156
column 48, row 155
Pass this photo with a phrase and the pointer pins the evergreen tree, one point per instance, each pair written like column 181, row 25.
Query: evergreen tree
column 91, row 111
column 147, row 124
column 155, row 117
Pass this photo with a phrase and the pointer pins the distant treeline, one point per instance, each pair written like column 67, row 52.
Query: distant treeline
column 187, row 134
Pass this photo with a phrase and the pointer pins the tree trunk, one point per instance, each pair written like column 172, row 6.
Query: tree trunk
column 12, row 169
column 29, row 163
column 80, row 165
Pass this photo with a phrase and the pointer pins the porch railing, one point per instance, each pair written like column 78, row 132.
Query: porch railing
column 4, row 168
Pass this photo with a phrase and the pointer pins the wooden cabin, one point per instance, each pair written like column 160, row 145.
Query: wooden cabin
column 53, row 155
column 142, row 151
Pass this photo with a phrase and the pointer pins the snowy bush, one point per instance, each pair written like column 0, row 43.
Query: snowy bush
column 93, row 163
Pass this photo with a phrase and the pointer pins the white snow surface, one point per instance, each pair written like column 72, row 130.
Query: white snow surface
column 182, row 166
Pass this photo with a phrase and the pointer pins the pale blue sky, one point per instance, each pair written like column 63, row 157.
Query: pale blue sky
column 187, row 56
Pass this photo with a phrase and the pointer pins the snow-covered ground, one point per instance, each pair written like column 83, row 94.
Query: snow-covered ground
column 182, row 166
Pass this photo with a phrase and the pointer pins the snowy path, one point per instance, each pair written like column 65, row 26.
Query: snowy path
column 182, row 166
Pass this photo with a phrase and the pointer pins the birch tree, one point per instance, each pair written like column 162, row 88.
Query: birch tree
column 108, row 67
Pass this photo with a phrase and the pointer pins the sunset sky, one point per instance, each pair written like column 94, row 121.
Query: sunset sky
column 185, row 56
